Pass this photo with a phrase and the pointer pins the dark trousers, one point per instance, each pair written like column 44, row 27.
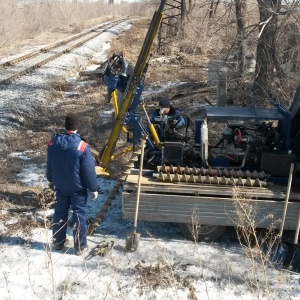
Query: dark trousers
column 77, row 202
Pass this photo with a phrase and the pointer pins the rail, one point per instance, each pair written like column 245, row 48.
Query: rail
column 11, row 71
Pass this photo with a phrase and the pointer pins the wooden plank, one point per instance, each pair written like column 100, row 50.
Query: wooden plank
column 219, row 194
column 209, row 189
column 151, row 185
column 211, row 205
column 188, row 187
column 209, row 210
column 168, row 200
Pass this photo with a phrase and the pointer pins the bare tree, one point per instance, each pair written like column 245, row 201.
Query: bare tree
column 213, row 8
column 266, row 59
column 240, row 8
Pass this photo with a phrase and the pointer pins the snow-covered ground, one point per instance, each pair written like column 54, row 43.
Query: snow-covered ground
column 165, row 265
column 33, row 89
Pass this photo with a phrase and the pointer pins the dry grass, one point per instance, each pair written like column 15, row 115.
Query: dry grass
column 257, row 247
column 47, row 120
column 20, row 24
column 158, row 275
column 34, row 135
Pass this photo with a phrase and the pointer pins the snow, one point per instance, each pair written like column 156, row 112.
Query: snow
column 33, row 89
column 164, row 266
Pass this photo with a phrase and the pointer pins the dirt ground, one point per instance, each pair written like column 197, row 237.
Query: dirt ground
column 38, row 127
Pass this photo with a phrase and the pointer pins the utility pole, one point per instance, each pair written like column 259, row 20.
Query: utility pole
column 173, row 17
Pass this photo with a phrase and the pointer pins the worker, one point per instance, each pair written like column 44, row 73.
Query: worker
column 115, row 76
column 71, row 173
column 166, row 109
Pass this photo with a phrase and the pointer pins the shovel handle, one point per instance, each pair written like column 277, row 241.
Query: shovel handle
column 143, row 142
column 297, row 229
column 286, row 201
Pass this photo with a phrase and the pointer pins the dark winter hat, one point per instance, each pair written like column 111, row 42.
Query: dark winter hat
column 72, row 122
column 164, row 102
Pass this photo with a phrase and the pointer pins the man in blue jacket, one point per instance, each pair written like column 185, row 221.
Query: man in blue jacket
column 167, row 120
column 71, row 172
column 166, row 109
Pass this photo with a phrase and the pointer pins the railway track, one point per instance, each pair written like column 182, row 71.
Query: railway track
column 11, row 69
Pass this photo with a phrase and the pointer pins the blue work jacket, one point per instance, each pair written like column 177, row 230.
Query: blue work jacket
column 174, row 113
column 70, row 165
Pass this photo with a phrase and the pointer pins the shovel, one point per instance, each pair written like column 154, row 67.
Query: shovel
column 132, row 240
column 280, row 250
column 296, row 253
column 293, row 259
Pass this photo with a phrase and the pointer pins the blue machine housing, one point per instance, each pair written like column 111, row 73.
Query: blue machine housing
column 255, row 114
column 262, row 139
column 253, row 139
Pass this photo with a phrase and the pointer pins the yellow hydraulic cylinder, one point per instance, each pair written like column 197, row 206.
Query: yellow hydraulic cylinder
column 116, row 107
column 127, row 149
column 152, row 130
column 154, row 135
column 138, row 74
column 115, row 102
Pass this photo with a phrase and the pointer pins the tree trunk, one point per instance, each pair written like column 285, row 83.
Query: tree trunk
column 266, row 47
column 240, row 8
column 212, row 9
column 183, row 10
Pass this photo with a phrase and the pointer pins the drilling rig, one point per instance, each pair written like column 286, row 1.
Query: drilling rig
column 191, row 179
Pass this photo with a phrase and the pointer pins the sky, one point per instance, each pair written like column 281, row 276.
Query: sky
column 164, row 266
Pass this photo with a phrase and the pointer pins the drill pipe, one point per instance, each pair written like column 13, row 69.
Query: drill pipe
column 211, row 172
column 210, row 179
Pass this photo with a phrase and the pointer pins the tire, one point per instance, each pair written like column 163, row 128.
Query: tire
column 206, row 233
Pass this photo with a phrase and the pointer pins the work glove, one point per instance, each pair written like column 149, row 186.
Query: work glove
column 174, row 123
column 51, row 186
column 94, row 195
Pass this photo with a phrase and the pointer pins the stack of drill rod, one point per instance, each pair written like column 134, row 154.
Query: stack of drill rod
column 211, row 176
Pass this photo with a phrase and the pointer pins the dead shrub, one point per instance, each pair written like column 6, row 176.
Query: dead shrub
column 156, row 276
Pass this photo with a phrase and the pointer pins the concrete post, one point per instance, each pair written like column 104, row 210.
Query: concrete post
column 222, row 87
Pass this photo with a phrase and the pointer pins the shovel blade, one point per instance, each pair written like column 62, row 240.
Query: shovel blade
column 296, row 261
column 278, row 254
column 293, row 259
column 132, row 241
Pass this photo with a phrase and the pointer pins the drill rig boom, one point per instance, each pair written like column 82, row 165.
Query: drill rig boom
column 133, row 89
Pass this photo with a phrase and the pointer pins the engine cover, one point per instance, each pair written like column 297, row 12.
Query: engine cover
column 277, row 163
column 172, row 153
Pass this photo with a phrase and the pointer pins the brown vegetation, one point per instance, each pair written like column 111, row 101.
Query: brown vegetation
column 201, row 37
column 48, row 21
